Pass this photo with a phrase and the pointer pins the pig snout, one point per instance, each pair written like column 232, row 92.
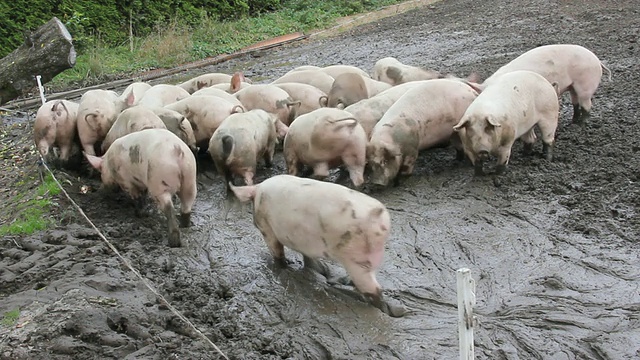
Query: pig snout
column 483, row 155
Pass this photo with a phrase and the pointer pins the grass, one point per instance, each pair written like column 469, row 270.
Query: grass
column 32, row 212
column 10, row 317
column 176, row 43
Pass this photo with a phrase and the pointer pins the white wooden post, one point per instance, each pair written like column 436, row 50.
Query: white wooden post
column 466, row 301
column 41, row 89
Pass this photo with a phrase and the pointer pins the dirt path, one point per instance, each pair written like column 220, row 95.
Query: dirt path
column 553, row 246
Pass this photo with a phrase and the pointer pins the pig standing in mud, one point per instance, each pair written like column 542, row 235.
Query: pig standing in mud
column 133, row 119
column 310, row 97
column 97, row 111
column 572, row 67
column 392, row 71
column 240, row 141
column 349, row 88
column 324, row 139
column 270, row 98
column 205, row 113
column 55, row 125
column 508, row 110
column 422, row 118
column 157, row 162
column 323, row 220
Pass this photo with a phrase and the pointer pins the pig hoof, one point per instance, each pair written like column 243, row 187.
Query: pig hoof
column 185, row 220
column 174, row 239
column 500, row 169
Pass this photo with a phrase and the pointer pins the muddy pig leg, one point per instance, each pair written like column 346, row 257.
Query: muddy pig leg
column 275, row 247
column 548, row 129
column 268, row 155
column 504, row 153
column 187, row 196
column 365, row 281
column 528, row 139
column 321, row 171
column 166, row 205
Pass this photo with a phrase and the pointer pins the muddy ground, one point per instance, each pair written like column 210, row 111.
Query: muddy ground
column 553, row 246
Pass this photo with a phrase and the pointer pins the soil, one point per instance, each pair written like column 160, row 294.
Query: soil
column 553, row 246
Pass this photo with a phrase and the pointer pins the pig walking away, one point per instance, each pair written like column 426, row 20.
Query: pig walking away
column 240, row 141
column 324, row 139
column 574, row 68
column 508, row 110
column 154, row 162
column 421, row 118
column 323, row 220
column 97, row 111
column 393, row 72
column 55, row 125
column 349, row 88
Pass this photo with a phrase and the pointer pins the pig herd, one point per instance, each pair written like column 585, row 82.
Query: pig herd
column 324, row 118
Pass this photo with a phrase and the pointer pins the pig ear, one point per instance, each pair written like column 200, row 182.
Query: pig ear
column 474, row 77
column 492, row 121
column 390, row 151
column 462, row 123
column 237, row 109
column 295, row 104
column 236, row 81
column 95, row 161
column 131, row 98
column 474, row 85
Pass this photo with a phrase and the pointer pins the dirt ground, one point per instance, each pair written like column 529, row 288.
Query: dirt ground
column 553, row 246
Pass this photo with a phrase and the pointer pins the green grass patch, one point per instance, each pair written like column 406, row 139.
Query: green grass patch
column 10, row 317
column 33, row 209
column 177, row 43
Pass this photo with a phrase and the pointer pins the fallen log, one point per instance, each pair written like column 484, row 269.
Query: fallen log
column 46, row 52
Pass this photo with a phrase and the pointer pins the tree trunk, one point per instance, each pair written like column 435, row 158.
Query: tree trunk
column 46, row 52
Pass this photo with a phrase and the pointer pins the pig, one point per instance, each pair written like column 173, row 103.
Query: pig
column 349, row 88
column 508, row 110
column 155, row 162
column 317, row 78
column 310, row 97
column 572, row 67
column 205, row 113
column 204, row 81
column 211, row 91
column 336, row 70
column 227, row 87
column 240, row 141
column 304, row 67
column 420, row 119
column 323, row 139
column 177, row 124
column 133, row 119
column 393, row 72
column 323, row 220
column 369, row 111
column 97, row 111
column 270, row 98
column 163, row 94
column 55, row 125
column 138, row 89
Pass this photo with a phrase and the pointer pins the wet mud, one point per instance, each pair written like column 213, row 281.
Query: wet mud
column 553, row 246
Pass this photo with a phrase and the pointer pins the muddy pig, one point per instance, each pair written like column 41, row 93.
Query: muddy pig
column 177, row 124
column 204, row 81
column 240, row 141
column 317, row 78
column 369, row 111
column 508, row 110
column 55, row 125
column 349, row 88
column 421, row 118
column 270, row 98
column 392, row 71
column 133, row 119
column 324, row 139
column 97, row 111
column 310, row 97
column 574, row 68
column 163, row 94
column 205, row 113
column 154, row 162
column 323, row 220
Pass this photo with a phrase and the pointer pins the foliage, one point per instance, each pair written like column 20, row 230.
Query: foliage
column 32, row 213
column 10, row 317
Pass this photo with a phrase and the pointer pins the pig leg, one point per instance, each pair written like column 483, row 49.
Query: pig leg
column 248, row 177
column 581, row 101
column 187, row 196
column 548, row 129
column 355, row 166
column 268, row 155
column 275, row 247
column 504, row 153
column 320, row 171
column 408, row 163
column 528, row 138
column 365, row 281
column 293, row 165
column 166, row 205
column 317, row 266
